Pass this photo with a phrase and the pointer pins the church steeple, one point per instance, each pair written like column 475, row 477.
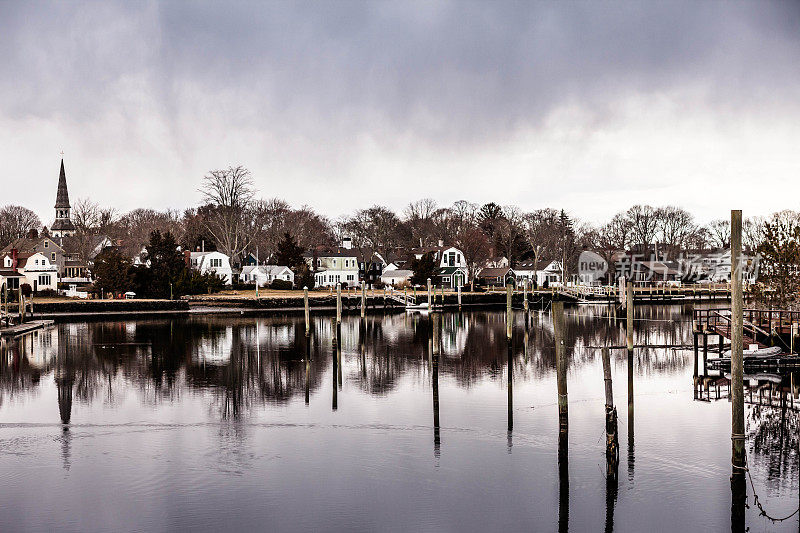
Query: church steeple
column 62, row 196
column 63, row 226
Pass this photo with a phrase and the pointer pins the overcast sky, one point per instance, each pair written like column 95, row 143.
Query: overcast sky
column 589, row 107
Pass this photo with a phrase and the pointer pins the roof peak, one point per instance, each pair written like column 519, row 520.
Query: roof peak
column 62, row 195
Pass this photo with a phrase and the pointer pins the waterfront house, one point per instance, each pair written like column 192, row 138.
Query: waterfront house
column 452, row 269
column 550, row 275
column 396, row 277
column 496, row 277
column 35, row 268
column 340, row 265
column 263, row 275
column 208, row 262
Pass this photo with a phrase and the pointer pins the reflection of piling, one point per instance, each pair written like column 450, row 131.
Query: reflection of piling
column 695, row 374
column 563, row 481
column 561, row 365
column 737, row 361
column 510, row 386
column 363, row 299
column 435, row 325
column 705, row 354
column 612, row 444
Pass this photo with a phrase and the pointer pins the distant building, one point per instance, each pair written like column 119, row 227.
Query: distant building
column 216, row 262
column 452, row 271
column 551, row 274
column 396, row 277
column 265, row 274
column 330, row 267
column 34, row 268
column 63, row 226
column 496, row 277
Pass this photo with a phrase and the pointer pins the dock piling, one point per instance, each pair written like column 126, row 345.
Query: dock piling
column 306, row 311
column 737, row 355
column 509, row 312
column 561, row 366
column 612, row 444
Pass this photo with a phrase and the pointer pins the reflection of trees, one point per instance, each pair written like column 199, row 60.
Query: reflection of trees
column 773, row 437
column 245, row 361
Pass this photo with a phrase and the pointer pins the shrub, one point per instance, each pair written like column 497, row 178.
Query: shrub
column 27, row 290
column 280, row 284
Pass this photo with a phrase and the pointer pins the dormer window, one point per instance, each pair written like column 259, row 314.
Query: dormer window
column 45, row 243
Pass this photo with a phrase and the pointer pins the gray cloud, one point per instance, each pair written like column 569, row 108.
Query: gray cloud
column 316, row 87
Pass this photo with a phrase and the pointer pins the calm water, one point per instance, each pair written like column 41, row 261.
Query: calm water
column 218, row 423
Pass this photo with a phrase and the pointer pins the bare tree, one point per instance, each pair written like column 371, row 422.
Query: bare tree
column 752, row 232
column 542, row 232
column 16, row 222
column 509, row 233
column 720, row 233
column 421, row 217
column 474, row 244
column 676, row 225
column 231, row 219
column 645, row 224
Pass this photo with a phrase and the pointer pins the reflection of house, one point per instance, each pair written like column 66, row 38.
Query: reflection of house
column 496, row 277
column 216, row 262
column 334, row 266
column 266, row 274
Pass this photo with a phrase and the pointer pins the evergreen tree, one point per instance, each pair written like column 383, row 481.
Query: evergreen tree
column 424, row 268
column 290, row 254
column 112, row 271
column 166, row 264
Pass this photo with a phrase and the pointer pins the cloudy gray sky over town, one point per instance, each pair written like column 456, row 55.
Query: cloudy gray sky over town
column 587, row 106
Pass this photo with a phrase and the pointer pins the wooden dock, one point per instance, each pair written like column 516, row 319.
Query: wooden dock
column 26, row 327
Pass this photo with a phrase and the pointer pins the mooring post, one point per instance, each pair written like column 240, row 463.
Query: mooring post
column 434, row 359
column 705, row 354
column 459, row 297
column 737, row 355
column 612, row 445
column 629, row 316
column 561, row 366
column 338, row 304
column 509, row 315
column 525, row 303
column 306, row 311
column 695, row 374
column 363, row 298
column 21, row 306
column 430, row 303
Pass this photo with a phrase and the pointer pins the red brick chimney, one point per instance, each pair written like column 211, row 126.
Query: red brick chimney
column 187, row 257
column 14, row 258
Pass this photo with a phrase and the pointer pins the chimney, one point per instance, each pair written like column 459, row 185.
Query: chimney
column 441, row 243
column 347, row 243
column 14, row 258
column 187, row 258
column 203, row 245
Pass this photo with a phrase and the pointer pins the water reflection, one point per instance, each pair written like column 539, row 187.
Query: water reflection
column 236, row 369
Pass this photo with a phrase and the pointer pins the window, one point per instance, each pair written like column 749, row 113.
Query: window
column 53, row 256
column 45, row 243
column 44, row 279
column 452, row 260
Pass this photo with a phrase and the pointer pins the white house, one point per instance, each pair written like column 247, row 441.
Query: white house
column 453, row 271
column 336, row 266
column 265, row 274
column 551, row 273
column 215, row 262
column 35, row 269
column 396, row 277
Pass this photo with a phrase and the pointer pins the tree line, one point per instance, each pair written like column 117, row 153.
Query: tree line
column 233, row 219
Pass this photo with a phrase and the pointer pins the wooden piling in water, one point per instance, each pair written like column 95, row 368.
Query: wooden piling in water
column 525, row 303
column 21, row 306
column 338, row 303
column 561, row 366
column 459, row 297
column 363, row 299
column 306, row 311
column 509, row 312
column 430, row 302
column 737, row 355
column 612, row 443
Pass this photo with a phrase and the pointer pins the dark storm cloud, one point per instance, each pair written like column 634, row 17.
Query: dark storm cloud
column 452, row 70
column 341, row 92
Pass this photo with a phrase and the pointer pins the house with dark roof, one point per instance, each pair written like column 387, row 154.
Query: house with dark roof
column 453, row 271
column 496, row 277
